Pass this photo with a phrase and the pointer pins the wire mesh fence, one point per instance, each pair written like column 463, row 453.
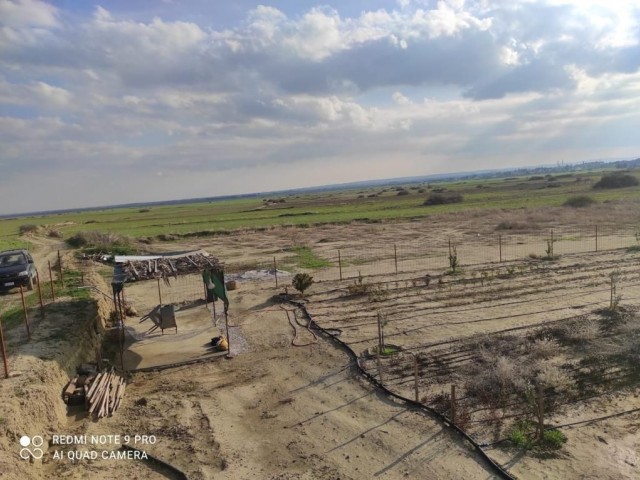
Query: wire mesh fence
column 435, row 255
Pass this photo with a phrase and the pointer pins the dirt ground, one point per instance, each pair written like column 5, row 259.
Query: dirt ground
column 278, row 411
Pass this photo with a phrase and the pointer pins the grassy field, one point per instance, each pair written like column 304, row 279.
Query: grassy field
column 366, row 205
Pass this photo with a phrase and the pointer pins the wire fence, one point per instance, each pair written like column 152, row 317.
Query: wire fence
column 434, row 255
column 56, row 285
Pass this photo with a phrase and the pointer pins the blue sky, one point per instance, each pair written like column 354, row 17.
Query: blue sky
column 122, row 101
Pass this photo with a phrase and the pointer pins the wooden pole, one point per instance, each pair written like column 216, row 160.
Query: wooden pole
column 226, row 326
column 40, row 294
column 60, row 269
column 4, row 352
column 453, row 404
column 215, row 320
column 206, row 296
column 540, row 412
column 395, row 256
column 159, row 293
column 53, row 295
column 415, row 376
column 340, row 265
column 275, row 271
column 379, row 368
column 500, row 246
column 596, row 238
column 24, row 310
column 379, row 334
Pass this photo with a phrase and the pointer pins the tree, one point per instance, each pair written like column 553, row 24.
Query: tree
column 302, row 281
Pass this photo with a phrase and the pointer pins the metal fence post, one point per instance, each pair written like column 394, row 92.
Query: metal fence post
column 275, row 271
column 4, row 352
column 53, row 295
column 26, row 317
column 60, row 269
column 40, row 294
column 340, row 265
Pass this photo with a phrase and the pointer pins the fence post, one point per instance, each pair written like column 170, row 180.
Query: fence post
column 540, row 411
column 596, row 238
column 340, row 265
column 40, row 294
column 4, row 352
column 26, row 317
column 53, row 295
column 379, row 368
column 395, row 256
column 226, row 326
column 415, row 376
column 275, row 270
column 453, row 404
column 500, row 246
column 159, row 292
column 60, row 269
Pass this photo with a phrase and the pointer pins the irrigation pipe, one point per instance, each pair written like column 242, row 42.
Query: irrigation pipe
column 497, row 468
column 151, row 459
column 295, row 330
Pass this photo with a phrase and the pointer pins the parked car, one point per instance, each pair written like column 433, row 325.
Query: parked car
column 17, row 268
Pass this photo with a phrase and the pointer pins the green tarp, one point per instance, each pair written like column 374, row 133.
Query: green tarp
column 214, row 281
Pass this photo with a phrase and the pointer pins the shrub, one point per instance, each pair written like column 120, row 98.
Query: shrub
column 55, row 233
column 28, row 228
column 302, row 281
column 519, row 435
column 402, row 192
column 443, row 198
column 579, row 201
column 97, row 242
column 509, row 225
column 553, row 439
column 616, row 180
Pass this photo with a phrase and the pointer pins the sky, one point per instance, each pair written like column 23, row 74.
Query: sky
column 124, row 101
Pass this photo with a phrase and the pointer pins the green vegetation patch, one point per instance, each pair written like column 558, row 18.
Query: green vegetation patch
column 306, row 258
column 617, row 180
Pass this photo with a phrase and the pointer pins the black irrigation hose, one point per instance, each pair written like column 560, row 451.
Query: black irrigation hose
column 497, row 468
column 151, row 459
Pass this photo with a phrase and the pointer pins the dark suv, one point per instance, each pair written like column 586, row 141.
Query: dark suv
column 17, row 268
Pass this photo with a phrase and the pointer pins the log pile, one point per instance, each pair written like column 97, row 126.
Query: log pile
column 169, row 266
column 101, row 393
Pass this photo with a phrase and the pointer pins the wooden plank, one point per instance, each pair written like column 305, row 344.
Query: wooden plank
column 94, row 384
column 71, row 388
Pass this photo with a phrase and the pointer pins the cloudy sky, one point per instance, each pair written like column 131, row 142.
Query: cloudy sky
column 122, row 101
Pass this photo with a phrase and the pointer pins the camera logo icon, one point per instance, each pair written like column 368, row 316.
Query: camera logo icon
column 35, row 451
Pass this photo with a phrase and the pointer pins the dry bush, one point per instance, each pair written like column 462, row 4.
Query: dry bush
column 97, row 242
column 581, row 331
column 544, row 347
column 28, row 228
column 55, row 233
column 579, row 201
column 443, row 198
column 551, row 376
column 616, row 180
column 512, row 225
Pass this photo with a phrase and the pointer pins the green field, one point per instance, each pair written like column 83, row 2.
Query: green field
column 329, row 207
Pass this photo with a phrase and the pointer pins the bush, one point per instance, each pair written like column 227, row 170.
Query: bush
column 28, row 228
column 616, row 180
column 553, row 439
column 519, row 435
column 97, row 242
column 579, row 201
column 55, row 234
column 302, row 281
column 443, row 198
column 402, row 192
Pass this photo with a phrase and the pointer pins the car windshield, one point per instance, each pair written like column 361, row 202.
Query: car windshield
column 12, row 259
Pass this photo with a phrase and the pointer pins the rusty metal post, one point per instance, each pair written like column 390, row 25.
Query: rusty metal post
column 275, row 271
column 4, row 352
column 40, row 294
column 379, row 368
column 395, row 256
column 24, row 310
column 226, row 326
column 415, row 376
column 340, row 265
column 60, row 269
column 53, row 295
column 159, row 293
column 453, row 404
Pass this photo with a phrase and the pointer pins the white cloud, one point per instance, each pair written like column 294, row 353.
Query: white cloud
column 27, row 13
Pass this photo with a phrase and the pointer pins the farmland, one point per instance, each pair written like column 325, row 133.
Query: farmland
column 542, row 301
